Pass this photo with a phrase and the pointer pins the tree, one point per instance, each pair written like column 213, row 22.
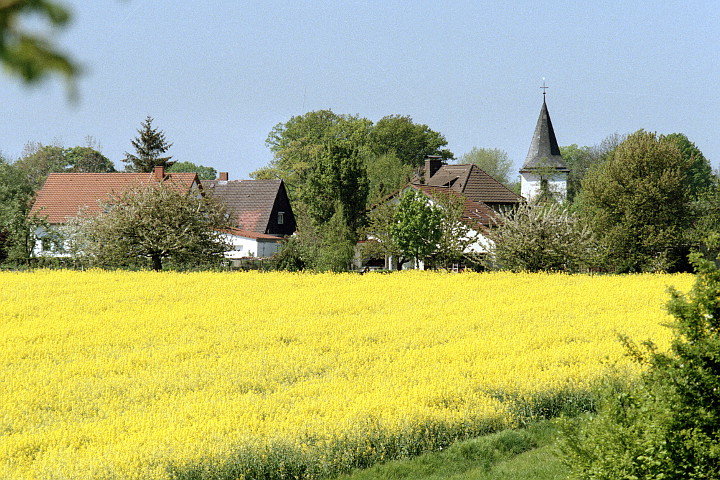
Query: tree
column 542, row 239
column 149, row 146
column 416, row 229
column 298, row 143
column 580, row 159
column 38, row 161
column 157, row 222
column 17, row 229
column 457, row 235
column 378, row 232
column 87, row 160
column 493, row 161
column 700, row 171
column 386, row 174
column 409, row 141
column 638, row 203
column 204, row 173
column 667, row 424
column 27, row 54
column 338, row 179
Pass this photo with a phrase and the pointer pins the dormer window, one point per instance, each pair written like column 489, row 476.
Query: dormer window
column 281, row 218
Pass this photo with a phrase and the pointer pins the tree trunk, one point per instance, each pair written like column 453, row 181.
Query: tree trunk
column 157, row 262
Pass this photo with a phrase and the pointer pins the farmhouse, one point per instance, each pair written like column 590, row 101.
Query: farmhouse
column 260, row 213
column 64, row 196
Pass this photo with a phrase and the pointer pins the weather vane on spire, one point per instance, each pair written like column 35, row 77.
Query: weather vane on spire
column 544, row 88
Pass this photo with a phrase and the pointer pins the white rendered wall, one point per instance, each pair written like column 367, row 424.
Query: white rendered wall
column 249, row 247
column 530, row 185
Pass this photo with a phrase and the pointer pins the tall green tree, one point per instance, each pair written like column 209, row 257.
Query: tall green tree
column 386, row 175
column 298, row 144
column 17, row 229
column 337, row 180
column 493, row 161
column 579, row 160
column 38, row 161
column 87, row 160
column 638, row 203
column 408, row 140
column 24, row 51
column 150, row 146
column 156, row 223
column 417, row 226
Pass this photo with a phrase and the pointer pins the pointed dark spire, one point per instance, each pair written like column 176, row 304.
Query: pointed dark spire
column 544, row 150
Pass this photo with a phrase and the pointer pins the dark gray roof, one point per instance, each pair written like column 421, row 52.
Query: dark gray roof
column 473, row 183
column 249, row 202
column 544, row 150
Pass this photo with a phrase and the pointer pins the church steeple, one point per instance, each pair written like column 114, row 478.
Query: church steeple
column 544, row 150
column 544, row 171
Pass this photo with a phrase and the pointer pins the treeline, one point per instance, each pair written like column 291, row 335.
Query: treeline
column 639, row 203
column 635, row 203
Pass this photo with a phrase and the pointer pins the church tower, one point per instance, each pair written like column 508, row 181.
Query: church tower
column 544, row 173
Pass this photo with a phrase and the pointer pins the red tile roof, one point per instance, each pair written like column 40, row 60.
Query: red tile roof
column 64, row 195
column 477, row 214
column 474, row 183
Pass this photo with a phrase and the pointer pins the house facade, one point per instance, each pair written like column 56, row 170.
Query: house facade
column 483, row 199
column 259, row 211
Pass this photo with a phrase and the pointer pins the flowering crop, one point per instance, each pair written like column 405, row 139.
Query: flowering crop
column 154, row 375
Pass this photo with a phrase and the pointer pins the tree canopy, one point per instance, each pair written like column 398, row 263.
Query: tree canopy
column 493, row 161
column 156, row 223
column 417, row 226
column 638, row 202
column 204, row 173
column 38, row 161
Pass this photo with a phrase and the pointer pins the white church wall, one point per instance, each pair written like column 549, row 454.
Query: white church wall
column 531, row 185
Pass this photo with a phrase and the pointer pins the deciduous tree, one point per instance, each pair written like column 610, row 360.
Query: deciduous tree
column 156, row 223
column 416, row 229
column 493, row 161
column 204, row 173
column 547, row 238
column 638, row 203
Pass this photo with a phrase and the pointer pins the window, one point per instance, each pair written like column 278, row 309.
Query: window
column 281, row 218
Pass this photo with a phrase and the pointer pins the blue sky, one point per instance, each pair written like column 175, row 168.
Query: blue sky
column 218, row 75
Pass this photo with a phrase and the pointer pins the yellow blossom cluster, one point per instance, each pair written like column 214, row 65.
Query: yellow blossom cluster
column 132, row 374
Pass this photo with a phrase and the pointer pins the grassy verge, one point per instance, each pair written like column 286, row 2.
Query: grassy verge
column 518, row 454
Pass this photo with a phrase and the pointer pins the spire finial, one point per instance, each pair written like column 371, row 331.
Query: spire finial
column 544, row 89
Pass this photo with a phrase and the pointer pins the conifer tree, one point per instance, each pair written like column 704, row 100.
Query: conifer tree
column 150, row 145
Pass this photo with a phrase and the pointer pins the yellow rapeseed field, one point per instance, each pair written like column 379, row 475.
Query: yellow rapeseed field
column 156, row 375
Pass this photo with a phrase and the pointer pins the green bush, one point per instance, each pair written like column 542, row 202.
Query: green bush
column 667, row 425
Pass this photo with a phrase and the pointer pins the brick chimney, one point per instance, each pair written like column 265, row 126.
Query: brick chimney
column 159, row 172
column 223, row 176
column 432, row 165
